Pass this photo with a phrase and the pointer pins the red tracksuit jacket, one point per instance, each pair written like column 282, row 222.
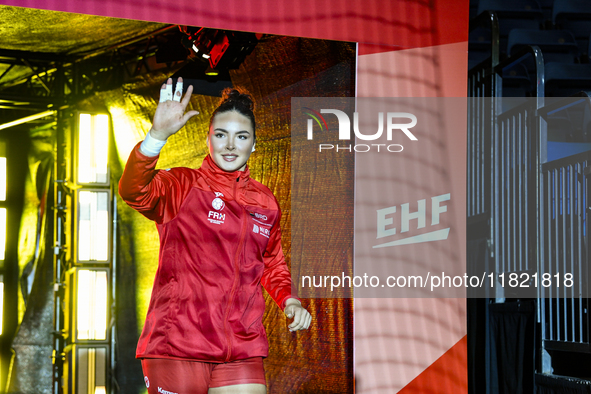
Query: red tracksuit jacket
column 219, row 241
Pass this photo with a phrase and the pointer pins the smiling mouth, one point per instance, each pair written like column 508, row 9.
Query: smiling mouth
column 229, row 158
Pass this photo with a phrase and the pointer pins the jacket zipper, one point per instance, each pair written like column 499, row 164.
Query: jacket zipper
column 236, row 274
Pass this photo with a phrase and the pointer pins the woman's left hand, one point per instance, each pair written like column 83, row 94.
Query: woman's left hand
column 301, row 317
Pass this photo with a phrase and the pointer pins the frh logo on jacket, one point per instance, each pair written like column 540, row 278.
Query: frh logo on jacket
column 216, row 217
column 218, row 204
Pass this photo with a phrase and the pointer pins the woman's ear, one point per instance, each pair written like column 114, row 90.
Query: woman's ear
column 253, row 147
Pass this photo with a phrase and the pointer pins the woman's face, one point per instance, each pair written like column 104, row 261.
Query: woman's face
column 230, row 140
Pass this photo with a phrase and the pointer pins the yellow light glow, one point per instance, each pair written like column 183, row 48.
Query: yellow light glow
column 2, row 178
column 1, row 306
column 2, row 233
column 100, row 390
column 84, row 148
column 27, row 119
column 93, row 148
column 101, row 146
column 91, row 311
column 93, row 226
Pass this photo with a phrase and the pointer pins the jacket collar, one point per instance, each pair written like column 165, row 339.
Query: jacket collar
column 221, row 179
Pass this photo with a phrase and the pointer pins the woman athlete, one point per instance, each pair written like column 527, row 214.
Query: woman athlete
column 219, row 242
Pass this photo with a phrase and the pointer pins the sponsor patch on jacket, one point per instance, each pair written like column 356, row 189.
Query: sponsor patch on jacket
column 259, row 218
column 261, row 230
column 161, row 390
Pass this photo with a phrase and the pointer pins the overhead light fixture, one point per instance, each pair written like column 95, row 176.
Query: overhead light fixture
column 223, row 49
column 218, row 50
column 195, row 73
column 93, row 148
column 201, row 41
column 211, row 71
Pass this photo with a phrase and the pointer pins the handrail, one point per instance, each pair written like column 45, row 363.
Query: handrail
column 536, row 53
column 565, row 161
column 489, row 20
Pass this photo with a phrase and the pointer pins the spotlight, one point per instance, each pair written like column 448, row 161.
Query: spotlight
column 200, row 75
column 201, row 41
column 219, row 49
column 231, row 49
column 223, row 49
column 211, row 71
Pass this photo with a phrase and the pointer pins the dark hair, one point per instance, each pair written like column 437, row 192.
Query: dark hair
column 236, row 99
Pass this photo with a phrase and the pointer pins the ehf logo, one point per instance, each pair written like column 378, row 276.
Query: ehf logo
column 404, row 222
column 389, row 122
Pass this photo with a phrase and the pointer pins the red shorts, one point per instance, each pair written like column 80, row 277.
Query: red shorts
column 194, row 377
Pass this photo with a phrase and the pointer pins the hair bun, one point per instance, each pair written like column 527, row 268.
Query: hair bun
column 238, row 96
column 236, row 99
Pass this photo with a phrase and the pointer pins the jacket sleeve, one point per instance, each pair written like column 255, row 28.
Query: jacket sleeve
column 276, row 277
column 156, row 194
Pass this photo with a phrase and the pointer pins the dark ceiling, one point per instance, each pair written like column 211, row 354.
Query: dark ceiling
column 53, row 60
column 49, row 59
column 26, row 29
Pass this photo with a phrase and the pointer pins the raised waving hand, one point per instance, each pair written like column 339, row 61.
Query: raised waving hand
column 170, row 114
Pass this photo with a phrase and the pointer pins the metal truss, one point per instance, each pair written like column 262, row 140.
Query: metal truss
column 33, row 82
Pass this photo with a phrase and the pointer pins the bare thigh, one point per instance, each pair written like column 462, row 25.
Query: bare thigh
column 245, row 376
column 251, row 388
